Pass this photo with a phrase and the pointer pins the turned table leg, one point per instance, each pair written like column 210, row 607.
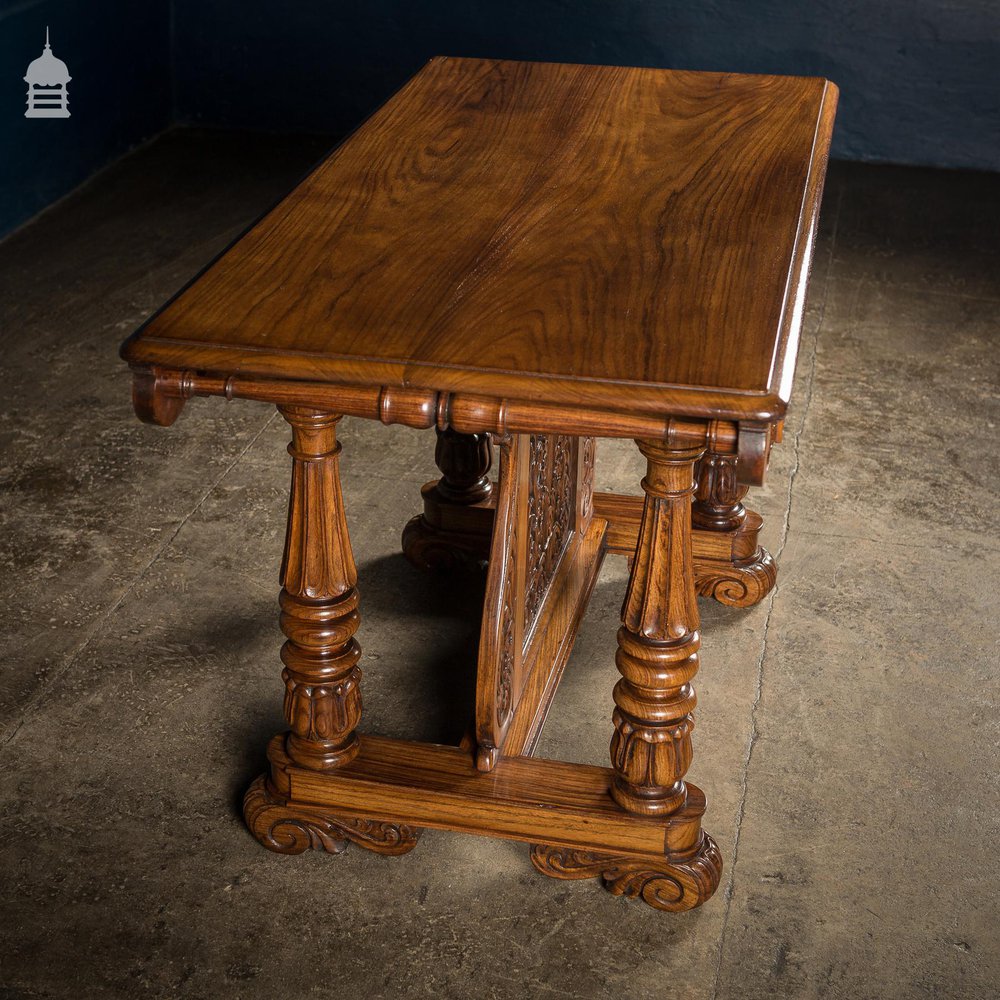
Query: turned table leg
column 658, row 644
column 457, row 522
column 319, row 616
column 742, row 573
column 651, row 746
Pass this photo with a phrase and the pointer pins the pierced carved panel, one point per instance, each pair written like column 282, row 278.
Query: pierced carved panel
column 551, row 514
column 539, row 504
column 588, row 462
column 505, row 675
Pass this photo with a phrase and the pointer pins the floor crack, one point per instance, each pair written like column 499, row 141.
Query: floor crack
column 762, row 658
column 101, row 621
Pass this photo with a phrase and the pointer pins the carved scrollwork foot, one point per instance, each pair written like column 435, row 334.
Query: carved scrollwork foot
column 292, row 829
column 663, row 884
column 739, row 584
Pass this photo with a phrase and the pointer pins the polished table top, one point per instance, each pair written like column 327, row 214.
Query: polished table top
column 598, row 236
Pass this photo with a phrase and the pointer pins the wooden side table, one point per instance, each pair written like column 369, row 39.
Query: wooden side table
column 525, row 257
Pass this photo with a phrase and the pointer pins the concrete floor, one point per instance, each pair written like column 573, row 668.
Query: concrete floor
column 848, row 728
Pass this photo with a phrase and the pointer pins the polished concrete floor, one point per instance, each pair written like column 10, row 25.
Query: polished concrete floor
column 847, row 729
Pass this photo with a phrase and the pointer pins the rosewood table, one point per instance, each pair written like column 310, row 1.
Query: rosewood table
column 525, row 257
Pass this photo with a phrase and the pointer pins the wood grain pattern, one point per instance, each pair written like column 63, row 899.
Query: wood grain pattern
column 522, row 798
column 536, row 231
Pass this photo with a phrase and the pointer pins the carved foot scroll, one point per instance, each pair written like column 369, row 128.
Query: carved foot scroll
column 291, row 829
column 739, row 584
column 662, row 883
column 745, row 574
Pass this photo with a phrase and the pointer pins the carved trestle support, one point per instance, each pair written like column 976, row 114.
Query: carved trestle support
column 464, row 461
column 319, row 616
column 718, row 496
column 658, row 641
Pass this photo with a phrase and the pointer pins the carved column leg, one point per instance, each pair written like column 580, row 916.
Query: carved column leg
column 742, row 573
column 651, row 746
column 658, row 644
column 319, row 602
column 457, row 522
column 319, row 616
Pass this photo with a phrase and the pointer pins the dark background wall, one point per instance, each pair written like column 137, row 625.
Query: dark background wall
column 918, row 78
column 118, row 54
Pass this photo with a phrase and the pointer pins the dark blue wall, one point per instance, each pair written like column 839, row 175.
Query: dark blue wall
column 118, row 54
column 918, row 78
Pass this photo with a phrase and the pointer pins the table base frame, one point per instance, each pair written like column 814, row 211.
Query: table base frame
column 395, row 788
column 627, row 824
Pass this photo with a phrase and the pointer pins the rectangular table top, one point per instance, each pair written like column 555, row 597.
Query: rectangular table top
column 634, row 239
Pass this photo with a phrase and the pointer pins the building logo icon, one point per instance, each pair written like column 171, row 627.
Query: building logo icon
column 47, row 78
